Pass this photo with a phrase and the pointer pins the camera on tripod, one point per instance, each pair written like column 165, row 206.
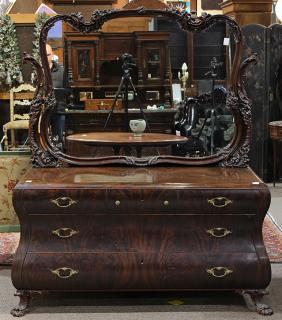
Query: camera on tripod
column 126, row 82
column 127, row 62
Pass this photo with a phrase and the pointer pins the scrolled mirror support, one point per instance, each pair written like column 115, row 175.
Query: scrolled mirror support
column 243, row 111
column 41, row 157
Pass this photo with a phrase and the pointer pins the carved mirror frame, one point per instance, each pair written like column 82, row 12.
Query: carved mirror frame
column 45, row 153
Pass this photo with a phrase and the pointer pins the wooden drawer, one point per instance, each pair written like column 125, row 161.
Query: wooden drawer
column 130, row 271
column 177, row 202
column 144, row 201
column 62, row 201
column 142, row 233
column 102, row 104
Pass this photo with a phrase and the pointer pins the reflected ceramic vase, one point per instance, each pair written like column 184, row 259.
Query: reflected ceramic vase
column 137, row 126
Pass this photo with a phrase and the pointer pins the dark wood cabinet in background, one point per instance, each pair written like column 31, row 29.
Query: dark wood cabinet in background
column 154, row 57
column 81, row 60
column 83, row 66
column 94, row 62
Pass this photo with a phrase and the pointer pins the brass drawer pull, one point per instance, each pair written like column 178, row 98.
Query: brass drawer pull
column 64, row 272
column 64, row 232
column 220, row 202
column 117, row 203
column 63, row 202
column 219, row 272
column 166, row 203
column 219, row 232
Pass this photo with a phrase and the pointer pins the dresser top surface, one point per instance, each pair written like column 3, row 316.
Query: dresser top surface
column 153, row 177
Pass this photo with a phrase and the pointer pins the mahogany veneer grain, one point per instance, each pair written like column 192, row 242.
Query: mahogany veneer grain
column 140, row 229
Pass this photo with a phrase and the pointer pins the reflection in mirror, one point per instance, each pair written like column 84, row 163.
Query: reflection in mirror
column 141, row 68
column 55, row 57
column 207, row 122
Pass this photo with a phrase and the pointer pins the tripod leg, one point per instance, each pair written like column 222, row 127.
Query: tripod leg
column 114, row 103
column 212, row 130
column 139, row 103
column 142, row 112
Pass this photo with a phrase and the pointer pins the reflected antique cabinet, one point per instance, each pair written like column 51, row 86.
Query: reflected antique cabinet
column 94, row 62
column 82, row 67
column 154, row 57
column 152, row 223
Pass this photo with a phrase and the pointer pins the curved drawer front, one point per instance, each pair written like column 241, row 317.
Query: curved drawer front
column 184, row 201
column 129, row 271
column 146, row 201
column 142, row 233
column 173, row 201
column 69, row 201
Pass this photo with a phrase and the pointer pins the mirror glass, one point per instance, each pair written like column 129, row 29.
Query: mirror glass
column 140, row 87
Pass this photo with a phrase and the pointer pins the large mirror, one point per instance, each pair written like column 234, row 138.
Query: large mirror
column 140, row 87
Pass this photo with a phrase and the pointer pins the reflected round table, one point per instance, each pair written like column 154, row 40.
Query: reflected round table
column 126, row 139
column 275, row 131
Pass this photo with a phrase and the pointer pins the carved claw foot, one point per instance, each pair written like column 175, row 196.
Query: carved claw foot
column 253, row 299
column 23, row 307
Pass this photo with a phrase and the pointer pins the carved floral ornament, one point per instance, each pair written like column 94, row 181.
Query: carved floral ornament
column 45, row 152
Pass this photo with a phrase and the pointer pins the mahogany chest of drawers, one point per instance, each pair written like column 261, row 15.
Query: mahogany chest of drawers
column 131, row 229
